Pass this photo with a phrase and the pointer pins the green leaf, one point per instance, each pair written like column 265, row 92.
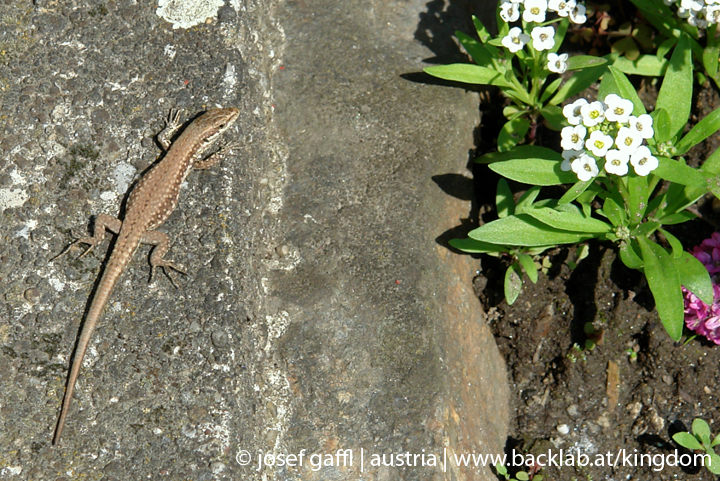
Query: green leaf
column 675, row 244
column 687, row 440
column 479, row 52
column 645, row 229
column 638, row 195
column 715, row 441
column 664, row 283
column 469, row 73
column 701, row 430
column 526, row 200
column 676, row 92
column 575, row 191
column 677, row 172
column 665, row 47
column 579, row 62
column 513, row 283
column 501, row 470
column 713, row 465
column 512, row 132
column 522, row 152
column 678, row 218
column 524, row 230
column 560, row 31
column 711, row 52
column 528, row 266
column 534, row 171
column 614, row 212
column 482, row 32
column 472, row 246
column 522, row 476
column 504, row 199
column 626, row 90
column 712, row 163
column 580, row 80
column 554, row 117
column 570, row 221
column 661, row 125
column 701, row 131
column 645, row 65
column 629, row 256
column 550, row 89
column 694, row 276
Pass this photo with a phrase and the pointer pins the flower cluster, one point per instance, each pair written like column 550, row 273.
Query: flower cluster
column 606, row 130
column 699, row 13
column 536, row 10
column 543, row 38
column 699, row 317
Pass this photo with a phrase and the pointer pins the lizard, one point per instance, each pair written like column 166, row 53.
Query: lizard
column 150, row 203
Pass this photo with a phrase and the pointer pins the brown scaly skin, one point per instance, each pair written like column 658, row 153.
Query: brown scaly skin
column 150, row 203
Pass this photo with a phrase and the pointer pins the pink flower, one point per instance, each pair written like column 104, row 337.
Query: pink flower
column 702, row 318
column 708, row 252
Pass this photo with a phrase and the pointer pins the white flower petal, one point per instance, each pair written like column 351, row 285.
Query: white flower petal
column 592, row 113
column 598, row 143
column 572, row 111
column 543, row 38
column 616, row 162
column 643, row 161
column 628, row 140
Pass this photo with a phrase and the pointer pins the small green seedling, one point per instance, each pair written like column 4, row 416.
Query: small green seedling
column 520, row 476
column 699, row 440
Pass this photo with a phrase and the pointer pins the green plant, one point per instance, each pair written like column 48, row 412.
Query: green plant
column 610, row 201
column 520, row 475
column 521, row 64
column 699, row 440
column 699, row 23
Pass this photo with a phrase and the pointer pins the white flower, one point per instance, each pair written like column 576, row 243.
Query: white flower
column 598, row 143
column 534, row 10
column 669, row 2
column 628, row 140
column 543, row 38
column 683, row 12
column 694, row 5
column 696, row 21
column 569, row 156
column 509, row 11
column 573, row 138
column 618, row 109
column 616, row 162
column 712, row 14
column 515, row 39
column 577, row 14
column 593, row 113
column 643, row 125
column 562, row 7
column 643, row 161
column 572, row 111
column 585, row 167
column 557, row 63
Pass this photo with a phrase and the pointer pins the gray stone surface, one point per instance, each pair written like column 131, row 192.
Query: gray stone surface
column 319, row 312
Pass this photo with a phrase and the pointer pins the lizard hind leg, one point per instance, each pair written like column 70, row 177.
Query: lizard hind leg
column 161, row 243
column 102, row 224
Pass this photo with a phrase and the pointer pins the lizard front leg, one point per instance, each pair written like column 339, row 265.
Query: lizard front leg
column 201, row 164
column 172, row 124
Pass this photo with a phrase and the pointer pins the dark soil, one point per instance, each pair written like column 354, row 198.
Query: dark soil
column 603, row 400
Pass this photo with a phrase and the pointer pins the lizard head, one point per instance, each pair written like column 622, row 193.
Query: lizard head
column 214, row 122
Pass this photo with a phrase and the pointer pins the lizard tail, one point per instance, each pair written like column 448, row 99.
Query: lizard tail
column 109, row 278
